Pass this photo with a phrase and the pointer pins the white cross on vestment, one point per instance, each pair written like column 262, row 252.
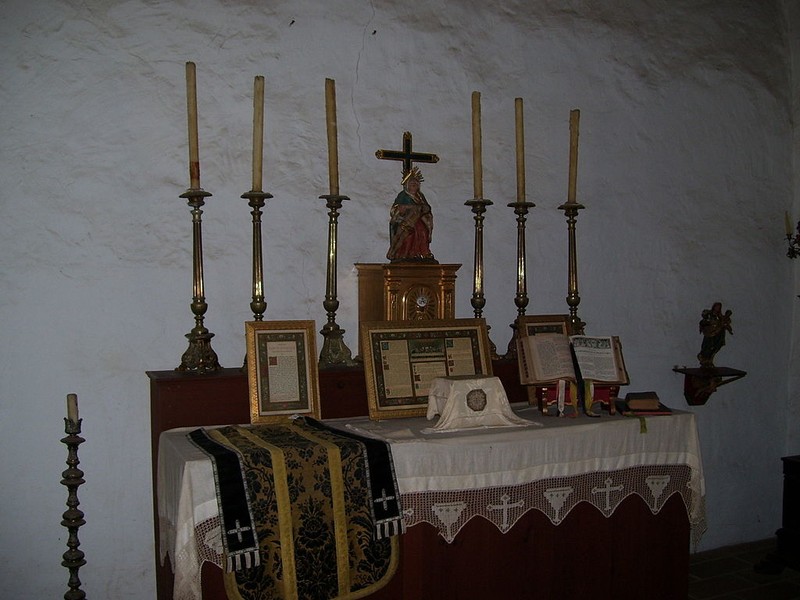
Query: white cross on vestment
column 238, row 530
column 384, row 499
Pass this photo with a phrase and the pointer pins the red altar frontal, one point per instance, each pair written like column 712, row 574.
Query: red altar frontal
column 604, row 506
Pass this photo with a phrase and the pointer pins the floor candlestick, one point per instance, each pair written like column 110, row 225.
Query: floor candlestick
column 72, row 518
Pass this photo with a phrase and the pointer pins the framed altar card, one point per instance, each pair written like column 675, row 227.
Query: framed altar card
column 402, row 358
column 537, row 324
column 282, row 370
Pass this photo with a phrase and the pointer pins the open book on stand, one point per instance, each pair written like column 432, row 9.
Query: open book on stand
column 550, row 357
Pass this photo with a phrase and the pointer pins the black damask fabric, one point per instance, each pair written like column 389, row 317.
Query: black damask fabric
column 299, row 500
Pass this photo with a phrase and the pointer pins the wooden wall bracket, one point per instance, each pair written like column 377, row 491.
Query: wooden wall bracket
column 699, row 383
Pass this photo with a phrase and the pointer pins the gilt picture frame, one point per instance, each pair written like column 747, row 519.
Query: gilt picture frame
column 538, row 324
column 401, row 358
column 282, row 374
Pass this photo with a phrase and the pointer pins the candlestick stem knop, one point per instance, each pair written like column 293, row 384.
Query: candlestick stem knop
column 521, row 297
column 574, row 323
column 478, row 300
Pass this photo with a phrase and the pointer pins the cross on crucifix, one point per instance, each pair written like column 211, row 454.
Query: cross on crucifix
column 406, row 154
column 238, row 530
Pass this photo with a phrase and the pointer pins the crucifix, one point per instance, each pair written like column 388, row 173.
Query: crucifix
column 406, row 155
column 412, row 285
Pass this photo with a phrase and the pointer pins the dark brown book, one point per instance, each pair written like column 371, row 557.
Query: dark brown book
column 625, row 410
column 642, row 400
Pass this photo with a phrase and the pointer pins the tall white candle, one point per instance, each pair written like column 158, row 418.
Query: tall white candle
column 72, row 407
column 520, row 137
column 258, row 132
column 333, row 149
column 477, row 158
column 574, row 120
column 191, row 106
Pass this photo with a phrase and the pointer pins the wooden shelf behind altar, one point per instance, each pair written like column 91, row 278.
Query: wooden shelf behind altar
column 630, row 553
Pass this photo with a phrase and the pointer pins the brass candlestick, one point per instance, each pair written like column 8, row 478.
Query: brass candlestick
column 72, row 518
column 521, row 209
column 199, row 357
column 478, row 301
column 576, row 326
column 334, row 352
column 256, row 200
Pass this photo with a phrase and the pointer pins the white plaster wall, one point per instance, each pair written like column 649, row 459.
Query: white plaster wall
column 685, row 170
column 793, row 412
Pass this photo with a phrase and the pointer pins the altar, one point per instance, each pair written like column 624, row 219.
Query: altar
column 601, row 506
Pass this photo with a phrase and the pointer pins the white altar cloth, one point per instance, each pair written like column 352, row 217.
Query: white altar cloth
column 446, row 479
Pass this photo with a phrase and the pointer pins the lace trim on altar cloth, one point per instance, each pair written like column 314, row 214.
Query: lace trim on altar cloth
column 186, row 565
column 449, row 511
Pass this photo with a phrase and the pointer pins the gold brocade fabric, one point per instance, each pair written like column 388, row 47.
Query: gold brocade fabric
column 310, row 498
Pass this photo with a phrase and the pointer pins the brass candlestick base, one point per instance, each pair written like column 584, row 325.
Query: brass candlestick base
column 335, row 352
column 72, row 518
column 576, row 326
column 521, row 297
column 199, row 357
column 478, row 301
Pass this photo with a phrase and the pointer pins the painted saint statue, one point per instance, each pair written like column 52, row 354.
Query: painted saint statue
column 713, row 325
column 411, row 223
